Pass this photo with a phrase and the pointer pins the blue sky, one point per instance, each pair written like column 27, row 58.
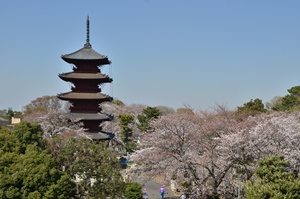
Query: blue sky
column 163, row 52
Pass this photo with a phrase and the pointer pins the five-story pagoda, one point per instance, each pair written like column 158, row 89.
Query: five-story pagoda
column 86, row 96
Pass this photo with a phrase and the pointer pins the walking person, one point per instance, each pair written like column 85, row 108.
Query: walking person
column 162, row 192
column 145, row 194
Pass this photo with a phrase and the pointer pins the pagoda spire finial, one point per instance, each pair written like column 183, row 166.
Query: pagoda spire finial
column 87, row 44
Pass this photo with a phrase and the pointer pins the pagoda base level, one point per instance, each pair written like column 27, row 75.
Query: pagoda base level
column 91, row 123
column 100, row 135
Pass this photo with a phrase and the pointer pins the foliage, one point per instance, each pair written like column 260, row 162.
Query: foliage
column 95, row 169
column 273, row 102
column 28, row 168
column 126, row 131
column 118, row 102
column 273, row 180
column 184, row 110
column 207, row 152
column 165, row 110
column 252, row 108
column 148, row 114
column 187, row 147
column 11, row 113
column 44, row 104
column 28, row 134
column 133, row 190
column 59, row 123
column 114, row 125
column 289, row 102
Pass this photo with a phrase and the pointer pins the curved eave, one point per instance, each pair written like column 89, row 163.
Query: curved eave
column 84, row 96
column 91, row 116
column 101, row 135
column 85, row 54
column 94, row 61
column 84, row 76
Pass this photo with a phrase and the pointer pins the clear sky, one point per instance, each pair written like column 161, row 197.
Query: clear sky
column 164, row 52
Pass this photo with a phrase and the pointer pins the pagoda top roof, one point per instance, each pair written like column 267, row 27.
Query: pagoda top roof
column 87, row 52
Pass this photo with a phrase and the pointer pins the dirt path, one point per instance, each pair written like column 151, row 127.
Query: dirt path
column 153, row 190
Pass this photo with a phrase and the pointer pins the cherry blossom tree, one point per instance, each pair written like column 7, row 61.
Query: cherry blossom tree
column 45, row 104
column 186, row 148
column 270, row 134
column 276, row 133
column 59, row 123
column 208, row 153
column 116, row 109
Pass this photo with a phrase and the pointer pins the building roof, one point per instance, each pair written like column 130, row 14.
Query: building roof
column 90, row 116
column 101, row 135
column 76, row 95
column 3, row 119
column 72, row 75
column 85, row 53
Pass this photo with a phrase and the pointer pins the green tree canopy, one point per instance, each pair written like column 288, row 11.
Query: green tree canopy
column 273, row 180
column 252, row 107
column 95, row 169
column 133, row 190
column 118, row 102
column 27, row 167
column 126, row 120
column 11, row 113
column 147, row 115
column 289, row 102
column 184, row 111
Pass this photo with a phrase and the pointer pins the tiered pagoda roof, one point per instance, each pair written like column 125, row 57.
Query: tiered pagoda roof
column 95, row 76
column 86, row 97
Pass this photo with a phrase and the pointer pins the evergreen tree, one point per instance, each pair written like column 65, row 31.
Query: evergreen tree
column 273, row 180
column 133, row 190
column 147, row 115
column 289, row 102
column 126, row 131
column 252, row 107
column 27, row 167
column 95, row 169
